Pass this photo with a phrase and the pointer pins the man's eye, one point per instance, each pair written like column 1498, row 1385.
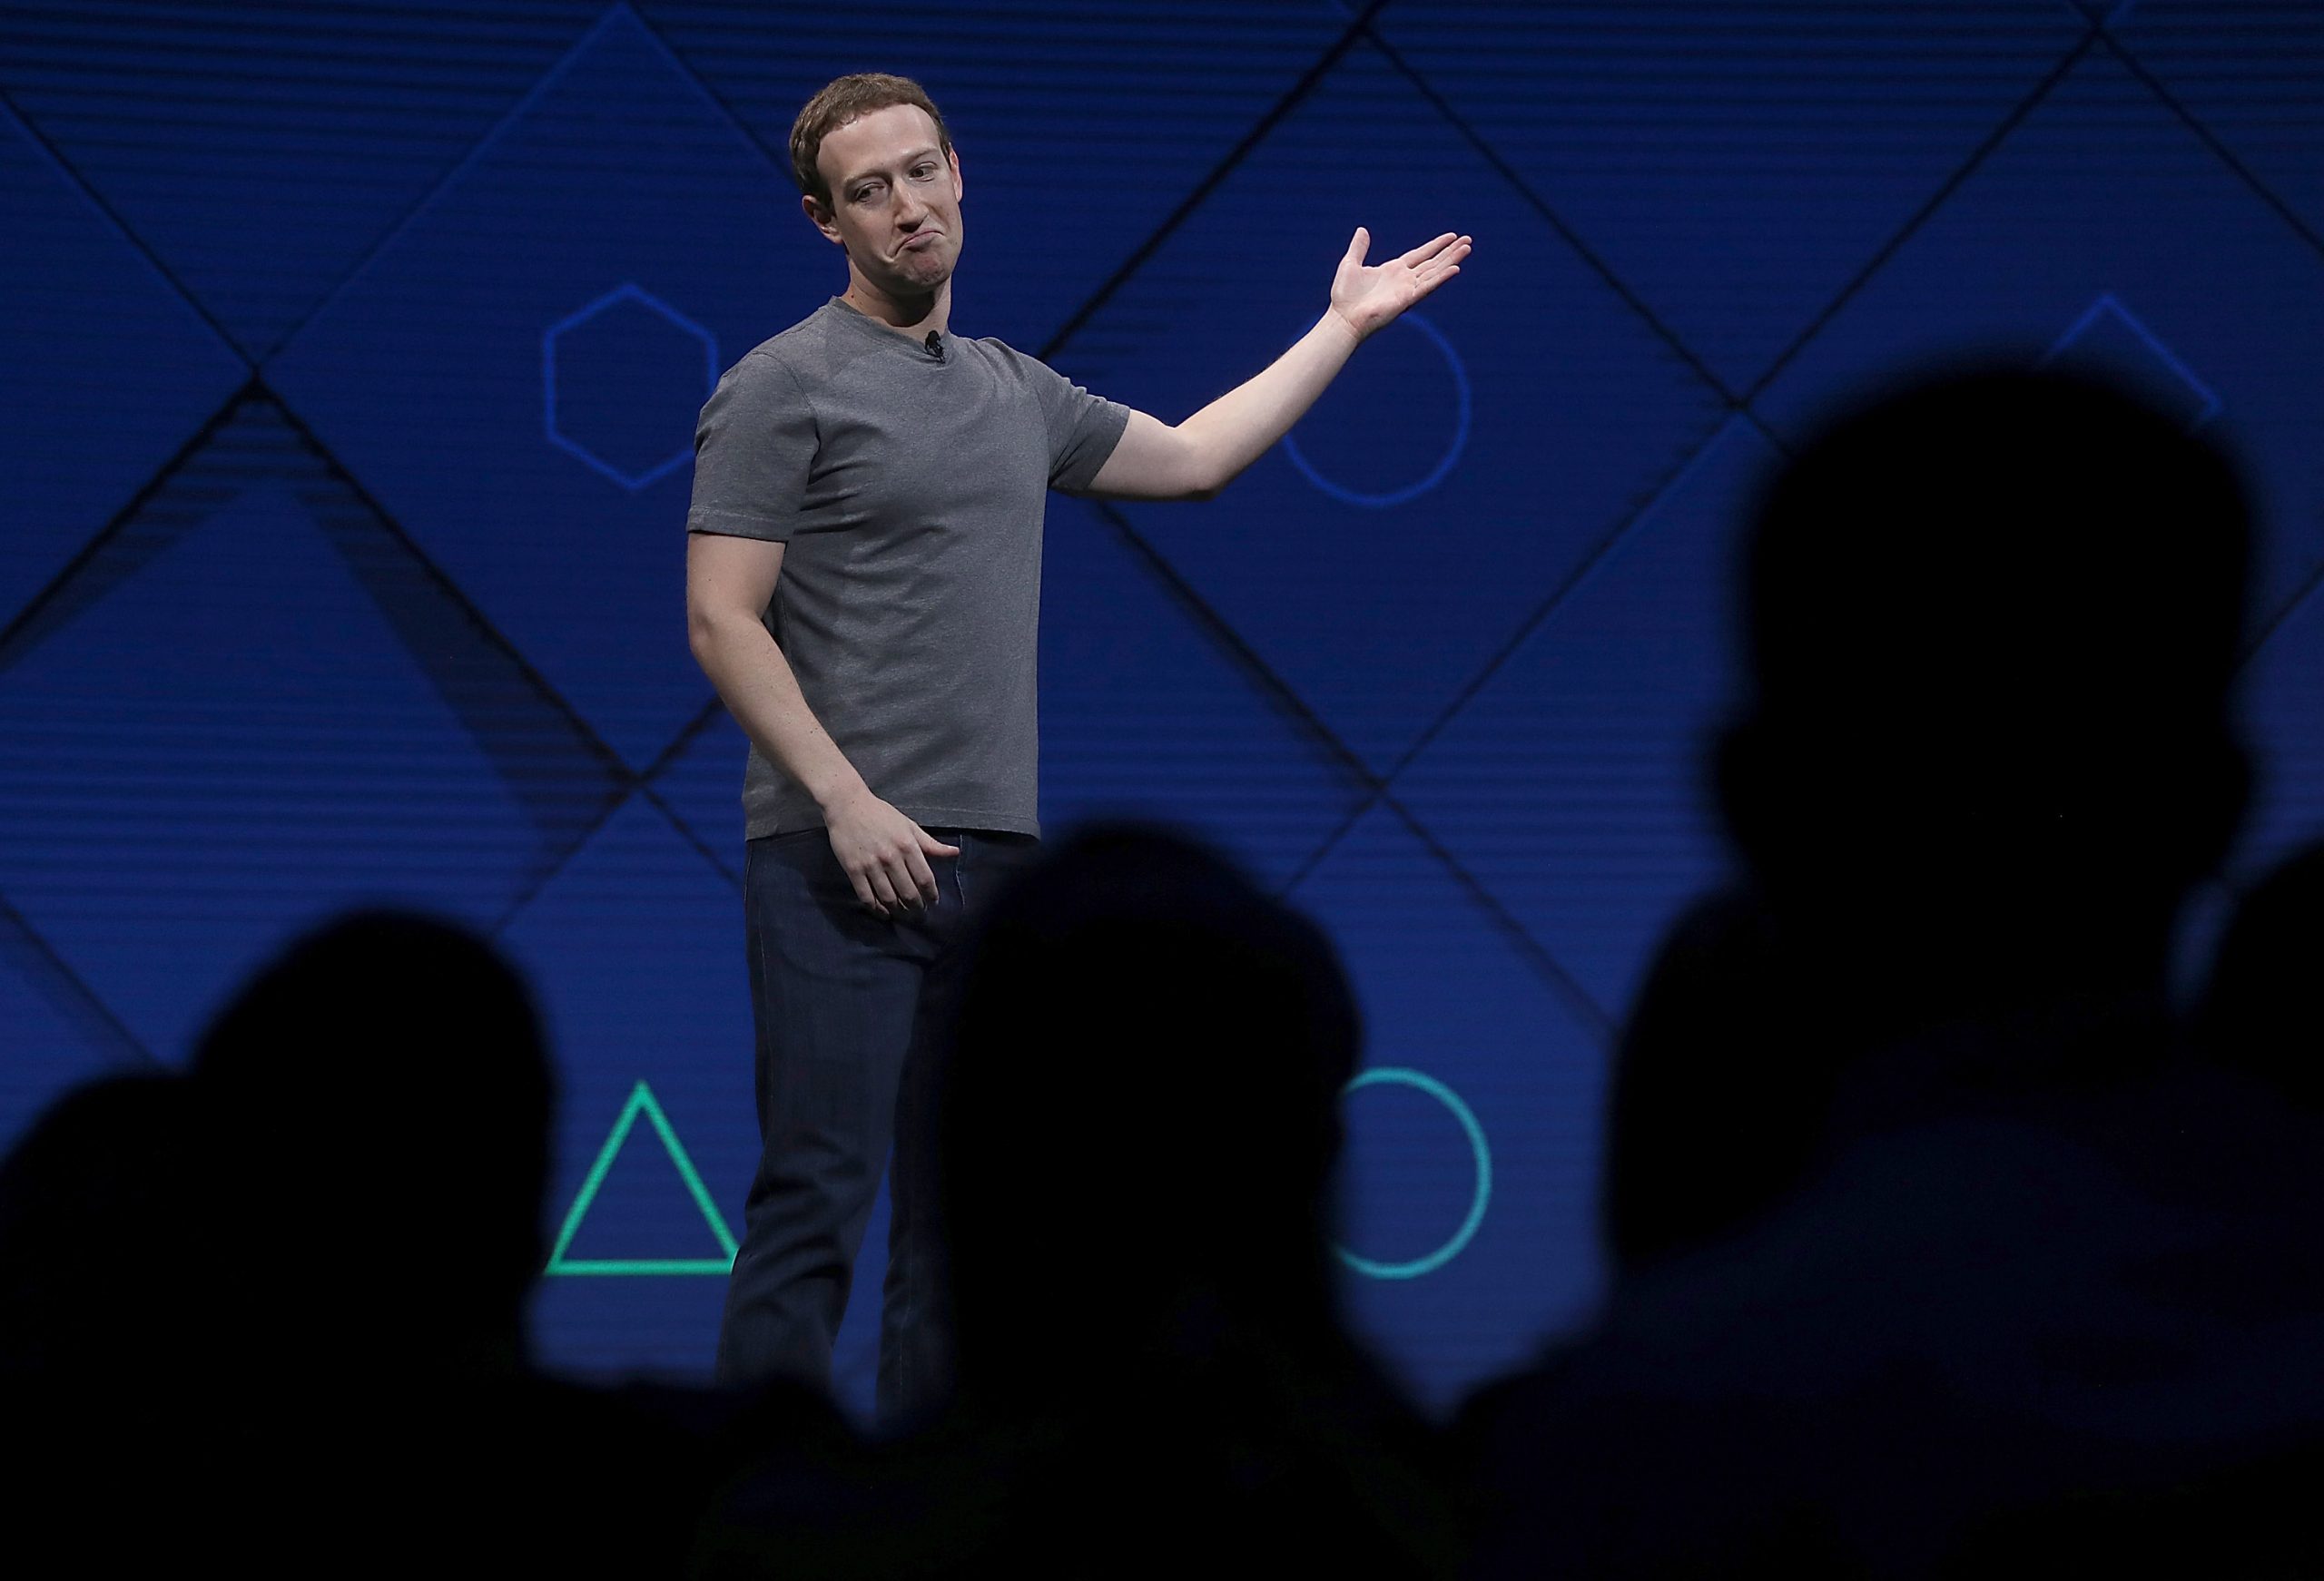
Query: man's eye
column 924, row 171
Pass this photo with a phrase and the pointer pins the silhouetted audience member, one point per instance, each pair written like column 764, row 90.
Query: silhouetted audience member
column 1990, row 624
column 387, row 1084
column 1139, row 1117
column 103, row 1327
column 384, row 1103
column 2036, row 1255
column 89, row 1201
column 2263, row 1011
column 1719, row 1103
column 2249, row 1522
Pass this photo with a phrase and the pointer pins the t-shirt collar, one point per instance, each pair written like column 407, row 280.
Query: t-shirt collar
column 872, row 325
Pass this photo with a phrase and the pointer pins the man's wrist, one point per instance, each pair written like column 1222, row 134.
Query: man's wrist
column 838, row 792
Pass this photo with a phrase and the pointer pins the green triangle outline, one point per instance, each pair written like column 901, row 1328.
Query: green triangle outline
column 640, row 1100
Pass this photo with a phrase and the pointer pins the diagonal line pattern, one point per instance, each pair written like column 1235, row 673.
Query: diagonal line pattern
column 545, row 875
column 1290, row 101
column 609, row 760
column 779, row 158
column 1936, row 199
column 49, row 598
column 685, row 832
column 437, row 189
column 1508, row 650
column 2281, row 616
column 1742, row 404
column 1551, row 601
column 1588, row 255
column 1579, row 1000
column 1280, row 693
column 619, row 10
column 48, row 603
column 98, row 200
column 687, row 734
column 2210, row 139
column 1277, row 692
column 69, row 992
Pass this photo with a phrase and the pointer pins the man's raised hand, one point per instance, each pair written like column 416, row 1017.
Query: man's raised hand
column 1368, row 295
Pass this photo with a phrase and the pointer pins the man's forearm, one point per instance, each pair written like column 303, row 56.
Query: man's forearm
column 755, row 681
column 1236, row 428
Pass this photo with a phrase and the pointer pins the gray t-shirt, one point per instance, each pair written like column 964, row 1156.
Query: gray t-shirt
column 910, row 488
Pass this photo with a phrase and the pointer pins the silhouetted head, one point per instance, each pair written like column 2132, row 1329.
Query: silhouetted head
column 389, row 1099
column 1990, row 624
column 101, row 1208
column 1140, row 1115
column 2262, row 1012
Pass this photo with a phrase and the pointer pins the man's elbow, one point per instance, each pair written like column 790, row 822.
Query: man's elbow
column 1208, row 484
column 1201, row 474
column 707, row 626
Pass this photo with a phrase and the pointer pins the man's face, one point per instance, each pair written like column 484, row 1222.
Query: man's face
column 895, row 199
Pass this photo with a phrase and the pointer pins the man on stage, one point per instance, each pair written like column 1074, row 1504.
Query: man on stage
column 863, row 588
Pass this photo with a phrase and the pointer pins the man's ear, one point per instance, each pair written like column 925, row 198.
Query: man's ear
column 959, row 190
column 819, row 217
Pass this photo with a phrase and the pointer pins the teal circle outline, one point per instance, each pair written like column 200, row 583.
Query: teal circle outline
column 1398, row 1076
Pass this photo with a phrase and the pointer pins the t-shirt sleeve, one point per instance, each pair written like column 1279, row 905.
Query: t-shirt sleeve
column 751, row 451
column 1083, row 428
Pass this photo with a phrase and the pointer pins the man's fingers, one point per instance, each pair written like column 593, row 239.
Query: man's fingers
column 1449, row 263
column 1425, row 286
column 1442, row 267
column 1428, row 250
column 1358, row 245
column 883, row 893
column 921, row 876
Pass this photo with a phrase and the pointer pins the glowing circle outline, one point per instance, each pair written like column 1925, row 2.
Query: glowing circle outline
column 1436, row 474
column 1399, row 1076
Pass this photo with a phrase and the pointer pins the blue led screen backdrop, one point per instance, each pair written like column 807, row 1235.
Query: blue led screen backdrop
column 353, row 356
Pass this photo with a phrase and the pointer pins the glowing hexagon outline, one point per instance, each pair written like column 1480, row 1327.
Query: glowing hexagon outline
column 1444, row 464
column 628, row 290
column 1478, row 1151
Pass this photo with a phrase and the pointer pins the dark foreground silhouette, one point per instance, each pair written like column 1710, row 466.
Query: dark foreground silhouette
column 1140, row 1118
column 2263, row 1011
column 1935, row 1232
column 102, row 1363
column 271, row 1312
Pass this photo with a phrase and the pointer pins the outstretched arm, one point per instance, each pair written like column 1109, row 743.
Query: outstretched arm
column 1201, row 456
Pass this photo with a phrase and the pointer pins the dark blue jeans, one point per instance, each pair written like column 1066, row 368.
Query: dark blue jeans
column 847, row 1004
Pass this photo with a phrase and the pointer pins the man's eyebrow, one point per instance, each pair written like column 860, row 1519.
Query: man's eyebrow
column 914, row 157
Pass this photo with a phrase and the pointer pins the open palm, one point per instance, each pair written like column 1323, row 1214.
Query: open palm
column 1370, row 295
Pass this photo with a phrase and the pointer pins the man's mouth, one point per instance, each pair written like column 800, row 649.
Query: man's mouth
column 915, row 240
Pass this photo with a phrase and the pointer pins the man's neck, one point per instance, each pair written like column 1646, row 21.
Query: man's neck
column 910, row 316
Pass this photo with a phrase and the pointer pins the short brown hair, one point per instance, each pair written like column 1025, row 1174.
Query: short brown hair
column 840, row 102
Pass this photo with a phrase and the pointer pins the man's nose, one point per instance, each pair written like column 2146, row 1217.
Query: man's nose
column 908, row 208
